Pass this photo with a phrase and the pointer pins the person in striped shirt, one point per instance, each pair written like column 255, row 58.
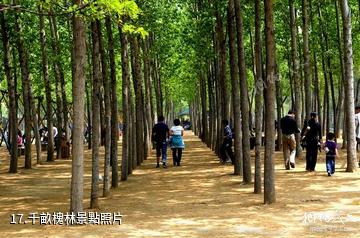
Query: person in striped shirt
column 225, row 148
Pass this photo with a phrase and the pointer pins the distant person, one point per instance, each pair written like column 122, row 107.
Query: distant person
column 311, row 133
column 289, row 127
column 357, row 127
column 227, row 143
column 177, row 142
column 160, row 133
column 20, row 141
column 330, row 148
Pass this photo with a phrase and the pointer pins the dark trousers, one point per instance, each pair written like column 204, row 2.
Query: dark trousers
column 311, row 156
column 330, row 164
column 177, row 153
column 226, row 149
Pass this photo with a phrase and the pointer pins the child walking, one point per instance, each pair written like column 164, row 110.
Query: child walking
column 330, row 148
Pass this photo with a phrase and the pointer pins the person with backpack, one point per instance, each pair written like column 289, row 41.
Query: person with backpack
column 227, row 143
column 357, row 127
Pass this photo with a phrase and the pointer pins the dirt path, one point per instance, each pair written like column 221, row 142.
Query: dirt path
column 199, row 199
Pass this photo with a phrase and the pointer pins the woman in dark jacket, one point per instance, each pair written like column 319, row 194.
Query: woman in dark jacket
column 311, row 134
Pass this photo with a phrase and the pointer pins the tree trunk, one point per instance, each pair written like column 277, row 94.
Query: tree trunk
column 235, row 85
column 96, row 137
column 258, row 98
column 147, row 115
column 295, row 73
column 23, row 58
column 137, row 78
column 247, row 177
column 269, row 170
column 12, row 95
column 349, row 86
column 126, row 108
column 114, row 106
column 77, row 172
column 58, row 75
column 107, row 117
column 45, row 71
column 306, row 54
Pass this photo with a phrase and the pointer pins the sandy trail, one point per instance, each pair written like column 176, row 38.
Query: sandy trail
column 199, row 199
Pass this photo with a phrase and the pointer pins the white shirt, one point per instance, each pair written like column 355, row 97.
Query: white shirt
column 357, row 125
column 177, row 130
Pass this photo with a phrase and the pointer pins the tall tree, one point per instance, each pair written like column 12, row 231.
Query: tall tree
column 306, row 55
column 96, row 85
column 235, row 85
column 114, row 106
column 12, row 94
column 45, row 72
column 77, row 172
column 244, row 95
column 25, row 76
column 258, row 97
column 269, row 170
column 126, row 107
column 349, row 86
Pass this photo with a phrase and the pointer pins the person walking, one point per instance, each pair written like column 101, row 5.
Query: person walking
column 160, row 134
column 330, row 148
column 289, row 127
column 311, row 134
column 227, row 143
column 357, row 128
column 177, row 142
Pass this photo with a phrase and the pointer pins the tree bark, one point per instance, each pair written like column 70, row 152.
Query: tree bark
column 247, row 177
column 126, row 107
column 306, row 54
column 295, row 73
column 107, row 117
column 11, row 93
column 23, row 58
column 349, row 86
column 269, row 170
column 77, row 172
column 258, row 98
column 235, row 85
column 45, row 71
column 138, row 88
column 96, row 136
column 114, row 107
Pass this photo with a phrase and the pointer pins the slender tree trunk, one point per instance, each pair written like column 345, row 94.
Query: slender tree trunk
column 107, row 117
column 77, row 172
column 12, row 95
column 306, row 54
column 247, row 177
column 148, row 98
column 137, row 78
column 114, row 107
column 45, row 71
column 58, row 91
column 96, row 136
column 23, row 58
column 235, row 85
column 258, row 98
column 269, row 170
column 295, row 73
column 349, row 86
column 126, row 107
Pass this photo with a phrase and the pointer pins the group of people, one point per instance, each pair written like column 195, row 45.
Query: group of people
column 311, row 139
column 162, row 137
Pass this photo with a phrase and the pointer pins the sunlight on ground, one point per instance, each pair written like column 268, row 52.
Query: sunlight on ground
column 198, row 199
